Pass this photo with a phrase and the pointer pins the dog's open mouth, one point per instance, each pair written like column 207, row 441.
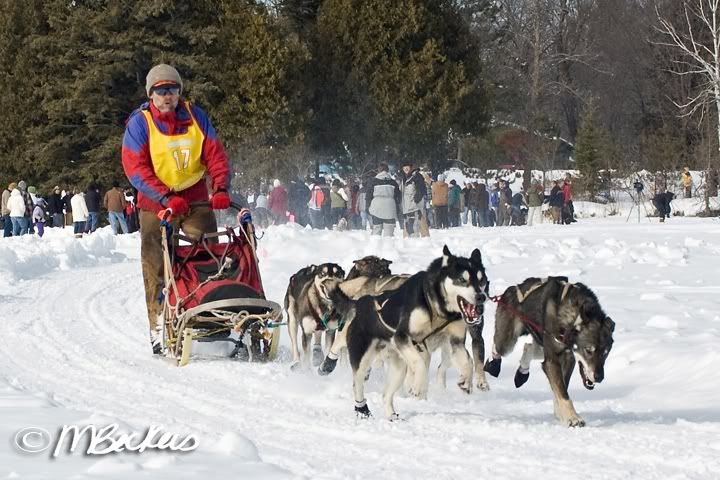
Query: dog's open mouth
column 470, row 313
column 586, row 381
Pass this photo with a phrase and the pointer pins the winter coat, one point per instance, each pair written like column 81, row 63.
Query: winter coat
column 278, row 201
column 298, row 196
column 261, row 201
column 5, row 198
column 361, row 203
column 454, row 194
column 67, row 202
column 472, row 197
column 79, row 208
column 556, row 197
column 483, row 196
column 317, row 197
column 16, row 204
column 439, row 194
column 535, row 197
column 413, row 192
column 92, row 200
column 505, row 196
column 567, row 192
column 38, row 215
column 114, row 200
column 55, row 204
column 338, row 199
column 138, row 166
column 687, row 179
column 494, row 198
column 383, row 196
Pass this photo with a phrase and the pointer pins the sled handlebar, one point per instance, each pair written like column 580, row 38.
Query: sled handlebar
column 244, row 216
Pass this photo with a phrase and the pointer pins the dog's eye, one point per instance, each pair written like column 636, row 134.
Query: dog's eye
column 590, row 349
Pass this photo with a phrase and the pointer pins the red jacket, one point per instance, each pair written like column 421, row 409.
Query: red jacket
column 153, row 193
column 567, row 192
column 278, row 201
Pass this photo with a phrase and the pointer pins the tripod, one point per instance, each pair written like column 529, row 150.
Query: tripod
column 638, row 201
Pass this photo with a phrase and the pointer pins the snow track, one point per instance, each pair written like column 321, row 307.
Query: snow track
column 80, row 336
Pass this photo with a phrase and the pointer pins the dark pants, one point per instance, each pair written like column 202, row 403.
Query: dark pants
column 198, row 221
column 317, row 220
column 441, row 216
column 454, row 216
column 7, row 227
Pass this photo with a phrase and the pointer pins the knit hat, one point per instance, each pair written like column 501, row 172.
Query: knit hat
column 441, row 178
column 162, row 74
column 276, row 183
column 32, row 189
column 22, row 185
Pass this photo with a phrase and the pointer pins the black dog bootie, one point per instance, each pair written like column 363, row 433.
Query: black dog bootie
column 492, row 366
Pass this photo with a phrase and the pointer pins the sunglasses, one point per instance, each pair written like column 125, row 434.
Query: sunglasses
column 163, row 91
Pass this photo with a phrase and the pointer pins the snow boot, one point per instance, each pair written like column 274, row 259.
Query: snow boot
column 521, row 378
column 492, row 366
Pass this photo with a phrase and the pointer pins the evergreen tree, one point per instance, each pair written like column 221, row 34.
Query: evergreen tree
column 588, row 150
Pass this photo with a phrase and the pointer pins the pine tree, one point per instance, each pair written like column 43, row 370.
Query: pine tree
column 588, row 154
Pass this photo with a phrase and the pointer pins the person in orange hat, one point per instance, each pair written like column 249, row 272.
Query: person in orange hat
column 169, row 149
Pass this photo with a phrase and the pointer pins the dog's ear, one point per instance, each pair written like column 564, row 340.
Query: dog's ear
column 610, row 323
column 356, row 261
column 446, row 256
column 476, row 257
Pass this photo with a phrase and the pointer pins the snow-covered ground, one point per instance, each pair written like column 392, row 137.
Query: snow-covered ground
column 75, row 352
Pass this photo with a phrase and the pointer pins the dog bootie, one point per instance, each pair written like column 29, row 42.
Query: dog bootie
column 317, row 355
column 492, row 366
column 521, row 377
column 362, row 411
column 327, row 366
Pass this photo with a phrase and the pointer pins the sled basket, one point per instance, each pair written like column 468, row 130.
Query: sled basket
column 213, row 292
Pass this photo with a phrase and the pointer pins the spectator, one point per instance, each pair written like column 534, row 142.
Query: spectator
column 440, row 201
column 568, row 210
column 278, row 203
column 338, row 202
column 29, row 205
column 115, row 204
column 38, row 216
column 315, row 204
column 454, row 203
column 413, row 191
column 7, row 222
column 92, row 200
column 55, row 208
column 383, row 199
column 535, row 199
column 80, row 212
column 662, row 200
column 298, row 198
column 556, row 202
column 687, row 182
column 131, row 212
column 16, row 205
column 67, row 205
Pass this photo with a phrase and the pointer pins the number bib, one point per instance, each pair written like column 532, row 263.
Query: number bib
column 176, row 159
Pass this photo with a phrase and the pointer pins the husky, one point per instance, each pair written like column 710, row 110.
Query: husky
column 308, row 307
column 370, row 266
column 566, row 323
column 430, row 309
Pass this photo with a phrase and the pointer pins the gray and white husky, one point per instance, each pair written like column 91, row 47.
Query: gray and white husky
column 430, row 310
column 566, row 323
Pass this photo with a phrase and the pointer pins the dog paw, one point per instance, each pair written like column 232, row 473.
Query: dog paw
column 317, row 355
column 327, row 366
column 521, row 378
column 492, row 366
column 465, row 386
column 363, row 412
column 394, row 418
column 296, row 367
column 483, row 386
column 575, row 422
column 419, row 392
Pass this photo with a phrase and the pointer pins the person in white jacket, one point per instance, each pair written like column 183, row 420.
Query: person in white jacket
column 16, row 205
column 80, row 212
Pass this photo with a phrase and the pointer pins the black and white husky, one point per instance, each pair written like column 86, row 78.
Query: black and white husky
column 430, row 310
column 566, row 322
column 307, row 306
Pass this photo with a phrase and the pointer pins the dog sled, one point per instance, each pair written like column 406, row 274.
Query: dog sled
column 213, row 293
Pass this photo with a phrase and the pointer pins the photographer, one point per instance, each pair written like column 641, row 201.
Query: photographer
column 662, row 200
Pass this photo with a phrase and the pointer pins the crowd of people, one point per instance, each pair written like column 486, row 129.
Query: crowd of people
column 410, row 198
column 26, row 211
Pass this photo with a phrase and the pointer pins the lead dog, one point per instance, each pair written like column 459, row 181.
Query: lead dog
column 429, row 309
column 566, row 322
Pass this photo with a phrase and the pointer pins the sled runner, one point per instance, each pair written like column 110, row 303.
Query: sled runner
column 213, row 293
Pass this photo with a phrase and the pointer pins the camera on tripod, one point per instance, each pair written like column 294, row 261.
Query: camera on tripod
column 638, row 186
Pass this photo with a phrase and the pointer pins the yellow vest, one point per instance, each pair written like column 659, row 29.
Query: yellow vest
column 176, row 159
